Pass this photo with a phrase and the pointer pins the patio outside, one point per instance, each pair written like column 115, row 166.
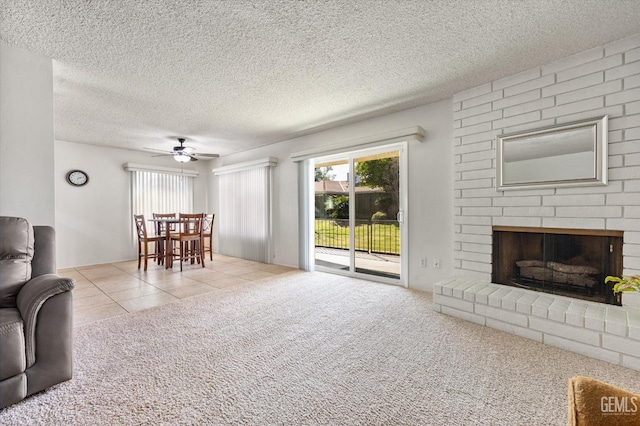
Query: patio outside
column 377, row 245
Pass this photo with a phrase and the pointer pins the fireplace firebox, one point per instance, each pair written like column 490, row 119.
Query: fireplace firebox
column 567, row 262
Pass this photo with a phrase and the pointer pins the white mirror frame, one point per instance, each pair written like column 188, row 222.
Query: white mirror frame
column 571, row 154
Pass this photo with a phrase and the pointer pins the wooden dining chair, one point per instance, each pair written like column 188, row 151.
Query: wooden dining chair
column 144, row 239
column 207, row 233
column 160, row 230
column 189, row 239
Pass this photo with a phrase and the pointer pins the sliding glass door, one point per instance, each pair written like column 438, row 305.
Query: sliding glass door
column 359, row 205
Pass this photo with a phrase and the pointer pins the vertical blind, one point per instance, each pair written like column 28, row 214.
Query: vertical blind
column 245, row 214
column 156, row 192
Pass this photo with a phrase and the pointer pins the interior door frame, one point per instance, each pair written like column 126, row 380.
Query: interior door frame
column 309, row 212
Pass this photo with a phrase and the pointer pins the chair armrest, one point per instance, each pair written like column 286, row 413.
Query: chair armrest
column 31, row 298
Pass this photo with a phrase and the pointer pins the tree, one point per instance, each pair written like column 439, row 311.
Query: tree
column 382, row 173
column 322, row 173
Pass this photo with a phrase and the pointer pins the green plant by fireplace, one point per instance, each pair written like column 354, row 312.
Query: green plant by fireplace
column 625, row 283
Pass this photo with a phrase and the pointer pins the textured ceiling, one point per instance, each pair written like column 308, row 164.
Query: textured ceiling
column 231, row 75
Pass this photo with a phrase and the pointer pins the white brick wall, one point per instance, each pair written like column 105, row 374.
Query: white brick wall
column 603, row 80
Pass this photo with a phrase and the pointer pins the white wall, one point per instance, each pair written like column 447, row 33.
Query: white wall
column 603, row 80
column 430, row 187
column 93, row 222
column 26, row 136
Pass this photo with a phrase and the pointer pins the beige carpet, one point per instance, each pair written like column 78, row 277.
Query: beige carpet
column 309, row 349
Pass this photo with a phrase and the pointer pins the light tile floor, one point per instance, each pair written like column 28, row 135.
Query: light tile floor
column 109, row 290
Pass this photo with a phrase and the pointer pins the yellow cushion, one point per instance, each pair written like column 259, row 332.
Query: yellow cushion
column 596, row 403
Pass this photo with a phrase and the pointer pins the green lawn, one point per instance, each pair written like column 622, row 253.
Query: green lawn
column 383, row 237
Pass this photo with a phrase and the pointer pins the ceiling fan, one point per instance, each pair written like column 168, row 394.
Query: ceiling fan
column 184, row 154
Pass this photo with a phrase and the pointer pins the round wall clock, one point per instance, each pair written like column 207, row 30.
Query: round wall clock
column 77, row 178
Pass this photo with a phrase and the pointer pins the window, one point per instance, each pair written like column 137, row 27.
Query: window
column 244, row 192
column 160, row 192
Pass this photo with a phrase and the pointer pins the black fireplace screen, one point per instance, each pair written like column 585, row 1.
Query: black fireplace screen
column 566, row 262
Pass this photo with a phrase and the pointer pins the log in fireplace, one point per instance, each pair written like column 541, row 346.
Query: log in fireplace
column 567, row 262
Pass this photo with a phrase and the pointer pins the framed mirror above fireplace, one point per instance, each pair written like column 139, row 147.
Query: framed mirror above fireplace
column 571, row 154
column 566, row 262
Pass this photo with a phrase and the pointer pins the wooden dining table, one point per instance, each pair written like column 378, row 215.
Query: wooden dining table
column 167, row 235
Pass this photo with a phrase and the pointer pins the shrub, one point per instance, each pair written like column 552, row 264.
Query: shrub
column 340, row 207
column 379, row 216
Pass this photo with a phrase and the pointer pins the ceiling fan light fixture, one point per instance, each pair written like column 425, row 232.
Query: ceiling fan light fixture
column 182, row 158
column 183, row 154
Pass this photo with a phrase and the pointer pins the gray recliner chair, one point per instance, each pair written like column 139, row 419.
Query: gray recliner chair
column 36, row 312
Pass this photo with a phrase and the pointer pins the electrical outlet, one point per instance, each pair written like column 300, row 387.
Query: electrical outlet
column 436, row 263
column 423, row 262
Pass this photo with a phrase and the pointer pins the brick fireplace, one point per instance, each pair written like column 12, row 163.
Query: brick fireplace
column 548, row 285
column 604, row 80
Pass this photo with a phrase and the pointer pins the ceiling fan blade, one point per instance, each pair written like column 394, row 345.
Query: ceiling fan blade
column 203, row 155
column 163, row 155
column 157, row 150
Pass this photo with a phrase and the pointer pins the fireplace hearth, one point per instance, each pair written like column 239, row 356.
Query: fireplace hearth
column 567, row 262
